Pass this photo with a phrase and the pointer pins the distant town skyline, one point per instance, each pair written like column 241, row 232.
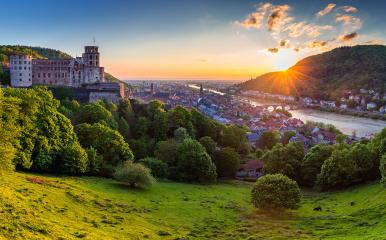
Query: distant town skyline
column 193, row 40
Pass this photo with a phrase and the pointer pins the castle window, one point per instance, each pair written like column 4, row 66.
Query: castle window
column 90, row 62
column 44, row 75
column 96, row 63
column 49, row 75
column 20, row 74
column 20, row 80
column 38, row 75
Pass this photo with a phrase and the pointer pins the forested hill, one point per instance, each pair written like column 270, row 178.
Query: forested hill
column 40, row 53
column 328, row 74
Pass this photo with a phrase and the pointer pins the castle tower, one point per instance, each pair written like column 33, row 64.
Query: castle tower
column 92, row 72
column 21, row 70
column 91, row 56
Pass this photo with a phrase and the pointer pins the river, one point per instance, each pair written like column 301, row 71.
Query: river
column 345, row 123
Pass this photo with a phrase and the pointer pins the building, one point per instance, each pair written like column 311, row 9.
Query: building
column 20, row 70
column 75, row 72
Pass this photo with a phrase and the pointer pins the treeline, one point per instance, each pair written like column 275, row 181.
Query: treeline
column 42, row 134
column 325, row 167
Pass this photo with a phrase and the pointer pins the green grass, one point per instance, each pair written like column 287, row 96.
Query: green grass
column 49, row 207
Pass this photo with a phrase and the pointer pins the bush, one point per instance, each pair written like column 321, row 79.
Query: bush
column 275, row 192
column 209, row 144
column 134, row 174
column 194, row 163
column 158, row 168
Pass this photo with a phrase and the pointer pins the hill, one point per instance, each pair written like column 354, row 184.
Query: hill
column 48, row 207
column 39, row 53
column 329, row 74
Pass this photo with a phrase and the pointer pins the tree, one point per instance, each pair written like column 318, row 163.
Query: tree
column 180, row 134
column 94, row 113
column 227, row 162
column 134, row 174
column 337, row 171
column 275, row 192
column 159, row 169
column 95, row 161
column 179, row 117
column 209, row 144
column 166, row 151
column 107, row 142
column 363, row 159
column 141, row 147
column 235, row 137
column 268, row 139
column 193, row 162
column 382, row 169
column 73, row 159
column 312, row 163
column 284, row 159
column 287, row 136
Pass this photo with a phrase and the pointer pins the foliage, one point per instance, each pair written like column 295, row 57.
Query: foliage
column 180, row 134
column 94, row 113
column 287, row 136
column 234, row 137
column 286, row 160
column 134, row 174
column 312, row 163
column 193, row 163
column 95, row 161
column 209, row 144
column 159, row 169
column 73, row 159
column 141, row 147
column 382, row 168
column 275, row 192
column 107, row 142
column 166, row 151
column 268, row 139
column 227, row 162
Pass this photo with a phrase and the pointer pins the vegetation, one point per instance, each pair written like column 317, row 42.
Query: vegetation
column 134, row 174
column 328, row 75
column 274, row 192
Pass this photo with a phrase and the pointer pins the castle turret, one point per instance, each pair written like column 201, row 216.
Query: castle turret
column 21, row 70
column 92, row 72
column 91, row 56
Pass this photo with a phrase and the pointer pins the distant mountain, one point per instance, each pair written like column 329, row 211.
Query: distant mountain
column 40, row 53
column 329, row 74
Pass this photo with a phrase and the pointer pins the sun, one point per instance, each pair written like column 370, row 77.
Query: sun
column 284, row 59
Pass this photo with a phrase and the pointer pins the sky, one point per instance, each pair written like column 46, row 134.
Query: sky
column 193, row 39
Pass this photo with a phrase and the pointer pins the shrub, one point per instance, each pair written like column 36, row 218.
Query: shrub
column 158, row 168
column 209, row 144
column 275, row 192
column 134, row 174
column 73, row 159
column 194, row 163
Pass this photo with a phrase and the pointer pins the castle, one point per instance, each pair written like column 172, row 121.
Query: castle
column 77, row 72
column 82, row 74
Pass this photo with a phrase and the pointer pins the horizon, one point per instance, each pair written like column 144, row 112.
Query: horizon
column 195, row 40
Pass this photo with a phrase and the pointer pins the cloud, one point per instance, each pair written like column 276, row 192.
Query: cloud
column 302, row 28
column 203, row 60
column 273, row 50
column 278, row 17
column 348, row 37
column 349, row 9
column 255, row 19
column 374, row 42
column 326, row 10
column 296, row 49
column 317, row 44
column 284, row 43
column 349, row 20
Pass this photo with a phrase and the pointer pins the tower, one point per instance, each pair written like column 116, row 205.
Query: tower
column 91, row 56
column 21, row 70
column 201, row 90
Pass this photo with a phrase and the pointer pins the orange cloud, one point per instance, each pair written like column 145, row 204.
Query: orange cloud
column 273, row 50
column 349, row 20
column 302, row 28
column 348, row 37
column 326, row 10
column 349, row 9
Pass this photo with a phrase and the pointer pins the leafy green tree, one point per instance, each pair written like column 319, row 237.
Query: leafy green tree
column 193, row 162
column 337, row 171
column 287, row 136
column 227, row 162
column 73, row 159
column 313, row 161
column 276, row 192
column 286, row 160
column 382, row 169
column 179, row 117
column 125, row 111
column 159, row 169
column 107, row 142
column 235, row 137
column 166, row 151
column 362, row 157
column 209, row 144
column 124, row 128
column 180, row 134
column 141, row 127
column 94, row 113
column 95, row 161
column 268, row 139
column 141, row 147
column 205, row 126
column 134, row 174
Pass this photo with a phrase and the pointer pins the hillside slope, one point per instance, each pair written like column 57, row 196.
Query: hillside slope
column 328, row 74
column 47, row 207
